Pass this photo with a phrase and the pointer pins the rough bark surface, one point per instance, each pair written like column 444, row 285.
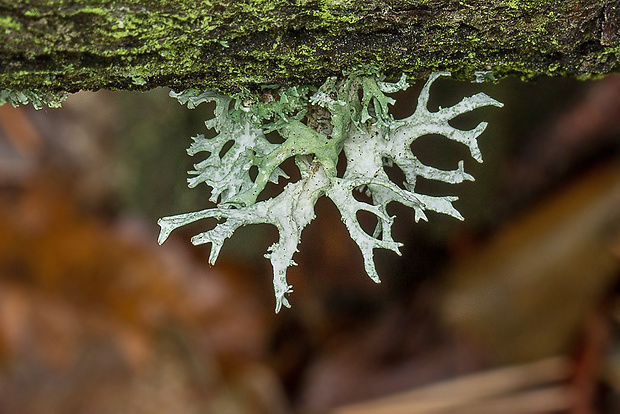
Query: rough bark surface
column 69, row 45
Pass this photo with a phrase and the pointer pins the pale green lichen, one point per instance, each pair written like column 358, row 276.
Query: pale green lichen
column 38, row 100
column 349, row 116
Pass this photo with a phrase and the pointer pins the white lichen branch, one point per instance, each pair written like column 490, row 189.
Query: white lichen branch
column 350, row 116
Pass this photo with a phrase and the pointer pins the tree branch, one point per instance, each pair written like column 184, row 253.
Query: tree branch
column 69, row 45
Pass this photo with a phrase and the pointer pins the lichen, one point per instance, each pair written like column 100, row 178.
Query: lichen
column 37, row 99
column 349, row 116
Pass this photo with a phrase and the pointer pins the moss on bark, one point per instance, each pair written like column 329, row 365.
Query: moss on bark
column 68, row 45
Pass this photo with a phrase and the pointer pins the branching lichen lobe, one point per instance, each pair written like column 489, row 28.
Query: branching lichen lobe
column 360, row 126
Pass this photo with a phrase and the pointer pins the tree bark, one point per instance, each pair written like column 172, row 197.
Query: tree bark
column 70, row 45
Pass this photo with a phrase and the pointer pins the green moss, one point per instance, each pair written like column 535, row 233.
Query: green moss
column 7, row 24
column 92, row 44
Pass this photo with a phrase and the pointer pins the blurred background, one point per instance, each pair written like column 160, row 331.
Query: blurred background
column 514, row 310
